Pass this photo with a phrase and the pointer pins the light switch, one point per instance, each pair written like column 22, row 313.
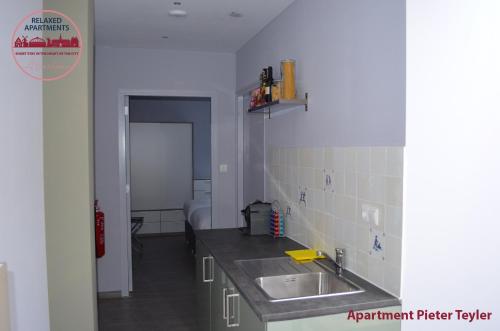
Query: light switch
column 222, row 168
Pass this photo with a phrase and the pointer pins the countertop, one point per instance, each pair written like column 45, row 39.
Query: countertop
column 229, row 245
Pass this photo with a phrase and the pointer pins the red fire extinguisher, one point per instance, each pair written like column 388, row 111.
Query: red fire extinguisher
column 99, row 230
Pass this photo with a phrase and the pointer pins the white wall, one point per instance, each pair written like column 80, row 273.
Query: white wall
column 158, row 70
column 22, row 234
column 452, row 179
column 350, row 58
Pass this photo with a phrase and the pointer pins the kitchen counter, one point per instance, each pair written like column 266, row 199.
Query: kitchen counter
column 229, row 245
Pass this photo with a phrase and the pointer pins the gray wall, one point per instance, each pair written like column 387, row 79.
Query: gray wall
column 350, row 58
column 182, row 110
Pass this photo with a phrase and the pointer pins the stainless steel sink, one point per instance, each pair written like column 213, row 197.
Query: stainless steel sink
column 305, row 286
column 282, row 279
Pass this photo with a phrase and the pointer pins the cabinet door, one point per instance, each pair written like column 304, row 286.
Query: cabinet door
column 239, row 315
column 218, row 293
column 204, row 278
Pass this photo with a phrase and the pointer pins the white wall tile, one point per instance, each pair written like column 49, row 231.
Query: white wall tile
column 351, row 184
column 360, row 175
column 394, row 191
column 306, row 157
column 393, row 250
column 349, row 234
column 329, row 204
column 329, row 157
column 350, row 159
column 376, row 271
column 378, row 160
column 339, row 160
column 319, row 179
column 392, row 279
column 363, row 238
column 363, row 160
column 319, row 158
column 345, row 208
column 338, row 181
column 293, row 157
column 361, row 267
column 395, row 161
column 394, row 221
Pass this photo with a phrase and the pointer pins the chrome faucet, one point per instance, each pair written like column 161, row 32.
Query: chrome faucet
column 339, row 260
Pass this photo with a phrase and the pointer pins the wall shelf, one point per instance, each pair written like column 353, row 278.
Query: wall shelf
column 279, row 105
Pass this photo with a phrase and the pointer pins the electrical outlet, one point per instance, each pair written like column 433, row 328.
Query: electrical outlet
column 370, row 214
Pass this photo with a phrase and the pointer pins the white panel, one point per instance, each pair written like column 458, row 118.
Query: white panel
column 149, row 216
column 4, row 300
column 202, row 185
column 176, row 226
column 172, row 215
column 202, row 195
column 161, row 165
column 150, row 228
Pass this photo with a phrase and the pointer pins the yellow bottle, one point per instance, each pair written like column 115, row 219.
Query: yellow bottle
column 288, row 81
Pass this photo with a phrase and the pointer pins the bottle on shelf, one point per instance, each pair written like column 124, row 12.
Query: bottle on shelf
column 263, row 87
column 288, row 77
column 268, row 85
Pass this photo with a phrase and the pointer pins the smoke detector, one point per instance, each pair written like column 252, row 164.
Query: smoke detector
column 177, row 13
column 235, row 14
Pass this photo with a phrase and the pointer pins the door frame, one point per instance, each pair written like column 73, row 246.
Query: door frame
column 126, row 282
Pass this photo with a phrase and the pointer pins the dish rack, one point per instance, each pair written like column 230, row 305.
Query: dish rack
column 277, row 220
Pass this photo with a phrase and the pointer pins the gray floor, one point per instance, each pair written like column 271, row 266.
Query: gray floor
column 164, row 293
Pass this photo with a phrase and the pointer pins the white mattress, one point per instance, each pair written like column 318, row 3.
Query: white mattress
column 192, row 205
column 201, row 218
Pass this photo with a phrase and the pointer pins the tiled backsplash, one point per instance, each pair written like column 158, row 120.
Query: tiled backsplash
column 344, row 197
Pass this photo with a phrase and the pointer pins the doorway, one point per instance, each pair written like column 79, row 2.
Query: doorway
column 127, row 99
column 166, row 156
column 169, row 162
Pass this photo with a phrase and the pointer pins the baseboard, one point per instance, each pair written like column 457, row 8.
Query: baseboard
column 109, row 295
column 165, row 234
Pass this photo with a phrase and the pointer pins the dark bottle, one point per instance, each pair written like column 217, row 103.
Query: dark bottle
column 263, row 86
column 268, row 84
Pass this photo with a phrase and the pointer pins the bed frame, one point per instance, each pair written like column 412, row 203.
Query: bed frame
column 190, row 237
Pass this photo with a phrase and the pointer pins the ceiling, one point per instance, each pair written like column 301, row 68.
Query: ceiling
column 207, row 26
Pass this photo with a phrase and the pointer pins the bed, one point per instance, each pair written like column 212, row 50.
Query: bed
column 198, row 215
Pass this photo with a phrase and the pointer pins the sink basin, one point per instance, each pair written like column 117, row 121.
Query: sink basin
column 282, row 279
column 305, row 286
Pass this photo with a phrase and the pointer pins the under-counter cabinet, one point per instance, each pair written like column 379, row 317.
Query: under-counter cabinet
column 204, row 272
column 221, row 307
